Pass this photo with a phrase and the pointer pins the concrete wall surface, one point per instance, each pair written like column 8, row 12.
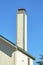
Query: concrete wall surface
column 20, row 58
column 6, row 54
column 31, row 61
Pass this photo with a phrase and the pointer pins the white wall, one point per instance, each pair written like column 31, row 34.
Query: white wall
column 6, row 54
column 25, row 32
column 22, row 30
column 20, row 58
column 31, row 61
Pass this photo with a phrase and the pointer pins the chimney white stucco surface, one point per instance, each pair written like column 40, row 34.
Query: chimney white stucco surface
column 22, row 29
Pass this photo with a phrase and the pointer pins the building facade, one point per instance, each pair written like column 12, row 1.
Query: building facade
column 11, row 54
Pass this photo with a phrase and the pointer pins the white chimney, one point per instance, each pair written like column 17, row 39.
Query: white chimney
column 22, row 29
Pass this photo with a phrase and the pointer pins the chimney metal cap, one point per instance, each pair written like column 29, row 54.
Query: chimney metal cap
column 22, row 9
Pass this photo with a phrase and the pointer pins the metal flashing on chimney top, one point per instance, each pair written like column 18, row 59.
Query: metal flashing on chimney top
column 21, row 9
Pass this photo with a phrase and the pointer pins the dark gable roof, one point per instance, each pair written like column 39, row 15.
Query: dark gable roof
column 20, row 49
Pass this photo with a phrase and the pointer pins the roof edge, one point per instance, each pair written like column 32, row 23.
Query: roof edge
column 25, row 52
column 6, row 40
column 18, row 48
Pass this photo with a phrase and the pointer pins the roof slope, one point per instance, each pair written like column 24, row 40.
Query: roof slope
column 15, row 46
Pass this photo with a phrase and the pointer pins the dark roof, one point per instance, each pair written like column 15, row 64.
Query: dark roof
column 20, row 49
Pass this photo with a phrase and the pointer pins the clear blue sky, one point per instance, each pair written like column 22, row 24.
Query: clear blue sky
column 34, row 8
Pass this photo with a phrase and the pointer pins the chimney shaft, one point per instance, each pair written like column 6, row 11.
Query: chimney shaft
column 22, row 29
